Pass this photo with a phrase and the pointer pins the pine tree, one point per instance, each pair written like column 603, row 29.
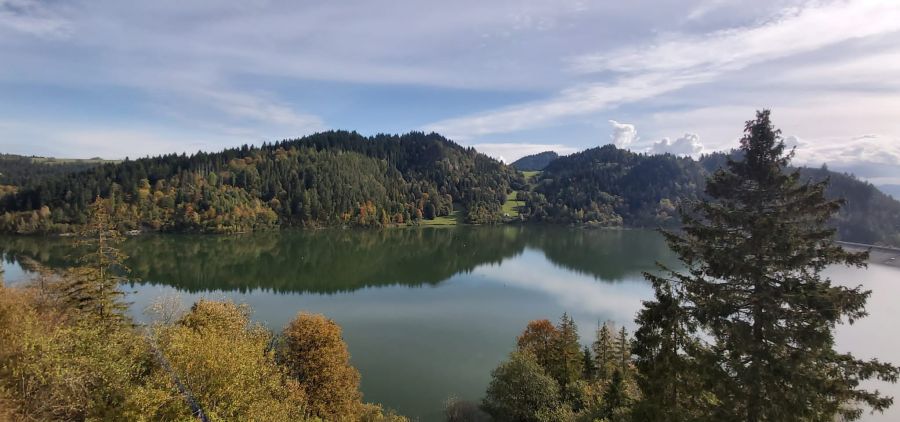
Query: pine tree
column 623, row 349
column 666, row 375
column 615, row 398
column 93, row 286
column 568, row 367
column 754, row 293
column 604, row 353
column 590, row 368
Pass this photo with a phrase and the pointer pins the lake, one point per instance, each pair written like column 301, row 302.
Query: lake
column 428, row 313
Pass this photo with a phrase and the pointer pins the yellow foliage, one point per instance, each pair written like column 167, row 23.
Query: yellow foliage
column 316, row 356
column 223, row 361
column 60, row 368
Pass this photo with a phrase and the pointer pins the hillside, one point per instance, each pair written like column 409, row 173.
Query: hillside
column 343, row 178
column 535, row 162
column 17, row 170
column 607, row 186
column 331, row 178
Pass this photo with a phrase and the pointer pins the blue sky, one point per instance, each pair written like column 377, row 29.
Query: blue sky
column 114, row 79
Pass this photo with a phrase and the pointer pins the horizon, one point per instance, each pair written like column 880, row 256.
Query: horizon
column 111, row 80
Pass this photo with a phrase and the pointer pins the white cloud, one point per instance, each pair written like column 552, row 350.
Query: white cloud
column 623, row 135
column 792, row 141
column 689, row 144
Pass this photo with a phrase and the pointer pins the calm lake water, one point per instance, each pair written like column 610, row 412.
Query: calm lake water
column 427, row 313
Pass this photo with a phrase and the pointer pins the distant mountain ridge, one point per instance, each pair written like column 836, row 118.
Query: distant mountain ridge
column 535, row 162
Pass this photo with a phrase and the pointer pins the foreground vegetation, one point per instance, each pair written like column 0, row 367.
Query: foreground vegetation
column 68, row 351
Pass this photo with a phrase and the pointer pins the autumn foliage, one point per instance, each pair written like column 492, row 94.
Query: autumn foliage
column 316, row 356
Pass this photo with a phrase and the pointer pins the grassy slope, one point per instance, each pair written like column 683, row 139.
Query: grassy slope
column 511, row 206
column 455, row 217
column 530, row 175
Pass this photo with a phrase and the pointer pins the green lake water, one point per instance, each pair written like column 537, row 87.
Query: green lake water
column 427, row 313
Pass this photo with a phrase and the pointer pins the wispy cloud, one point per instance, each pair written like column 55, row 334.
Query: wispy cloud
column 675, row 61
column 34, row 18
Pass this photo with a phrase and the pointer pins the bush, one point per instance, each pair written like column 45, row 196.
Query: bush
column 224, row 362
column 520, row 390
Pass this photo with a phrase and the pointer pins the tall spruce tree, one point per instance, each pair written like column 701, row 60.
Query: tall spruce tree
column 623, row 349
column 94, row 284
column 754, row 301
column 604, row 352
column 667, row 375
column 568, row 366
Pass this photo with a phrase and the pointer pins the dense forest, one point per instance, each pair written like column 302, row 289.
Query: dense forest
column 607, row 186
column 535, row 162
column 17, row 170
column 331, row 178
column 346, row 179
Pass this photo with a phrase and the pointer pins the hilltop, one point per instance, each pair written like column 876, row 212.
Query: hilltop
column 344, row 178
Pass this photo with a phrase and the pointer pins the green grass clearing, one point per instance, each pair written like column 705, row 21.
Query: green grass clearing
column 530, row 175
column 456, row 217
column 511, row 206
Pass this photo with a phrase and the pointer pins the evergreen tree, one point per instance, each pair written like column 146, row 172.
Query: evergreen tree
column 754, row 291
column 604, row 353
column 615, row 398
column 94, row 284
column 568, row 366
column 590, row 368
column 623, row 347
column 663, row 346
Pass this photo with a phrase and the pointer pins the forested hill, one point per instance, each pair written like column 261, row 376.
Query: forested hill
column 343, row 178
column 328, row 178
column 607, row 186
column 535, row 162
column 17, row 170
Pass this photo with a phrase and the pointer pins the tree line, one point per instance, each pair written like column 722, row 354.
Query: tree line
column 611, row 187
column 331, row 178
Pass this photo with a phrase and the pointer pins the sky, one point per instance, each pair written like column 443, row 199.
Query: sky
column 113, row 78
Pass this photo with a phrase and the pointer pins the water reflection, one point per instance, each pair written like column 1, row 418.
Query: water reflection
column 329, row 261
column 428, row 313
